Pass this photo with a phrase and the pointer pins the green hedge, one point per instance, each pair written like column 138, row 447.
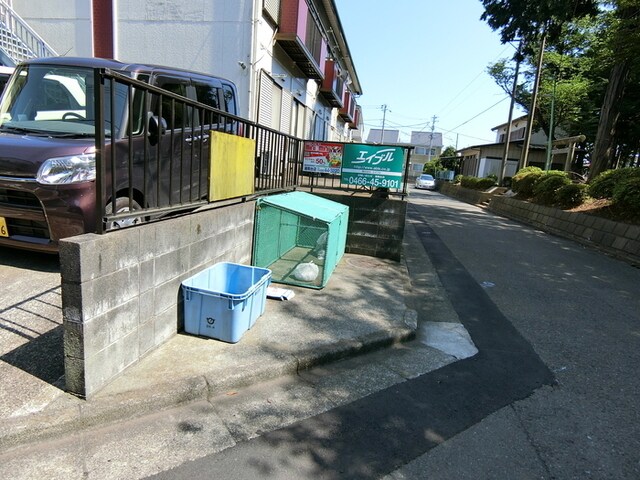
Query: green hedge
column 476, row 183
column 604, row 184
column 571, row 195
column 546, row 187
column 626, row 196
column 522, row 182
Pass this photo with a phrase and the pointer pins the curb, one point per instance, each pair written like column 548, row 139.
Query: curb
column 65, row 416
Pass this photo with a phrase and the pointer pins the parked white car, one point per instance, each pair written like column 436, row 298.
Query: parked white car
column 426, row 181
column 5, row 73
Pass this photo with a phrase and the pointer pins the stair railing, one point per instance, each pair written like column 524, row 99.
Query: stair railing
column 18, row 39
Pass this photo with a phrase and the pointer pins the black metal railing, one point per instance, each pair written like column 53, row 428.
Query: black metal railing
column 152, row 151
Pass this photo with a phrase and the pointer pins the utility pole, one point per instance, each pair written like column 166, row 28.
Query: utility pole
column 433, row 127
column 547, row 165
column 524, row 159
column 384, row 116
column 505, row 156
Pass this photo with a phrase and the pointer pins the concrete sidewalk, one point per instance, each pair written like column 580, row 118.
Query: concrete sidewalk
column 363, row 307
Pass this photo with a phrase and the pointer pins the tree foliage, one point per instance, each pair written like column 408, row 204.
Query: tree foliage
column 567, row 77
column 624, row 47
column 591, row 68
column 527, row 19
column 448, row 152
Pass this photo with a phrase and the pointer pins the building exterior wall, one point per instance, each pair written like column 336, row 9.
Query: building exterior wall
column 63, row 24
column 518, row 130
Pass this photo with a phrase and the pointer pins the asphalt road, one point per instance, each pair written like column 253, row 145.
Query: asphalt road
column 580, row 310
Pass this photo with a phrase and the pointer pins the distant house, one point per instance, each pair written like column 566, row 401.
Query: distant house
column 384, row 137
column 426, row 146
column 486, row 159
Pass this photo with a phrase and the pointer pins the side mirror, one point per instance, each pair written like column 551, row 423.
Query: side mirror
column 157, row 125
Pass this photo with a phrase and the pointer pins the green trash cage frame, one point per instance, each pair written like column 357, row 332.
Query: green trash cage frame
column 297, row 234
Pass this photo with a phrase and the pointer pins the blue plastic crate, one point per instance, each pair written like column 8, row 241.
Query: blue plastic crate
column 224, row 301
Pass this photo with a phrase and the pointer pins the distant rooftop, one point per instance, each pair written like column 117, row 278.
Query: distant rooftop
column 425, row 139
column 376, row 136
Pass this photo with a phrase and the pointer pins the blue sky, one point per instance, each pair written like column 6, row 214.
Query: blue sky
column 422, row 58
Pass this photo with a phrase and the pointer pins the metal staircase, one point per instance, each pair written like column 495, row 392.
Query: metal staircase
column 18, row 40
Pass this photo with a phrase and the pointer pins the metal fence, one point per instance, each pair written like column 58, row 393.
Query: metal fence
column 152, row 151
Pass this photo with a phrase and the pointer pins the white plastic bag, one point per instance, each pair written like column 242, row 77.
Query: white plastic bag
column 306, row 272
column 321, row 245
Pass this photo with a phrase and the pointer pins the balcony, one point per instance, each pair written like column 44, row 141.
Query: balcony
column 356, row 118
column 348, row 111
column 332, row 88
column 300, row 37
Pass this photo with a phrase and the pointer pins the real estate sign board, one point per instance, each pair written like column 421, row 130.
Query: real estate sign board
column 377, row 166
column 322, row 157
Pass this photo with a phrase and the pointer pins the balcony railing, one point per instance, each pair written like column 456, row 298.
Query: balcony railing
column 332, row 88
column 300, row 37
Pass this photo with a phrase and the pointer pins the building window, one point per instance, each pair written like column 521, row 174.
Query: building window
column 517, row 134
column 314, row 38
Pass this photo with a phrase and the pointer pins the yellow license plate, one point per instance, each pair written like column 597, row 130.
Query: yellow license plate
column 4, row 232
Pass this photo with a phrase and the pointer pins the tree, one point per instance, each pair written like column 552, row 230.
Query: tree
column 607, row 94
column 566, row 77
column 432, row 166
column 529, row 19
column 534, row 22
column 625, row 47
column 448, row 152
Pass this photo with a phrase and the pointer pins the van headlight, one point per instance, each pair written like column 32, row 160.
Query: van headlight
column 64, row 170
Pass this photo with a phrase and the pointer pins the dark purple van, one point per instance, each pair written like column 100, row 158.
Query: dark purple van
column 47, row 144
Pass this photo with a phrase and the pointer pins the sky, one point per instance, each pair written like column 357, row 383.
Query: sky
column 426, row 58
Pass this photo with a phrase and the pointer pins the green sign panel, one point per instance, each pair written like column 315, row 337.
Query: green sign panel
column 376, row 166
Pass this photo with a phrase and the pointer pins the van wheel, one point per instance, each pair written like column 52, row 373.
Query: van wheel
column 122, row 206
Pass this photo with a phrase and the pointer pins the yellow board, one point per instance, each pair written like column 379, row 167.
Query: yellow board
column 4, row 232
column 232, row 166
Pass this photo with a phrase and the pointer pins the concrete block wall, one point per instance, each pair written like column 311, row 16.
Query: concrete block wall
column 121, row 294
column 465, row 194
column 618, row 239
column 376, row 225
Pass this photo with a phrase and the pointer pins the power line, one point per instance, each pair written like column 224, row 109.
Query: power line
column 484, row 111
column 471, row 82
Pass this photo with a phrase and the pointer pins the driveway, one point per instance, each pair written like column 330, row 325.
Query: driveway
column 31, row 353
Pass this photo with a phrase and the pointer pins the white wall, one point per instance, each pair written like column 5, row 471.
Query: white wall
column 493, row 166
column 64, row 24
column 210, row 36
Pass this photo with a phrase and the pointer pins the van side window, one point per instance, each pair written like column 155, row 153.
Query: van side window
column 208, row 95
column 181, row 113
column 229, row 99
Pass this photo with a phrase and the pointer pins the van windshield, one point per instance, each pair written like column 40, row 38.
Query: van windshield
column 55, row 101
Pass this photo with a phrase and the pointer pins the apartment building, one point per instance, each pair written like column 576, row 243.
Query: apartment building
column 289, row 58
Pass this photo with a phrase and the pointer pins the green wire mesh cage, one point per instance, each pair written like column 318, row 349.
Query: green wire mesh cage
column 300, row 237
